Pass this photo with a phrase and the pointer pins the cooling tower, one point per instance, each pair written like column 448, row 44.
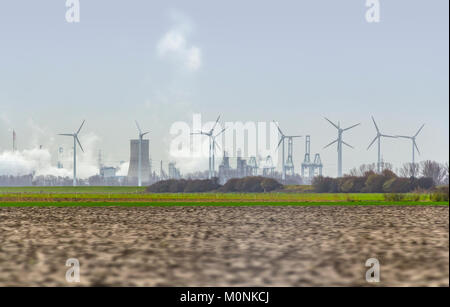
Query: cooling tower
column 134, row 161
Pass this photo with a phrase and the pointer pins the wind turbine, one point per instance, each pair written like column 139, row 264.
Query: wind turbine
column 141, row 136
column 340, row 142
column 212, row 146
column 414, row 144
column 289, row 162
column 75, row 141
column 378, row 138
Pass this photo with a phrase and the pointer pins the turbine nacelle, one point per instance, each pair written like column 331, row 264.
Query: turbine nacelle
column 340, row 132
column 413, row 138
column 75, row 135
column 379, row 134
column 283, row 136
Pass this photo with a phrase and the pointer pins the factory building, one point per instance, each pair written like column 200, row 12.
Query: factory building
column 174, row 172
column 108, row 172
column 243, row 169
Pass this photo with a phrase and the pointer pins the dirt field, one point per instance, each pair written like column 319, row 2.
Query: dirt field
column 224, row 246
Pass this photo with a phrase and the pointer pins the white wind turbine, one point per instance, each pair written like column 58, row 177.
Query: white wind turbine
column 75, row 141
column 414, row 144
column 340, row 141
column 141, row 137
column 212, row 146
column 378, row 138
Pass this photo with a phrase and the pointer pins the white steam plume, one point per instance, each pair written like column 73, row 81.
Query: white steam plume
column 39, row 161
column 174, row 44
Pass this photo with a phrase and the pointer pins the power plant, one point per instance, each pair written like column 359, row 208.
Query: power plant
column 174, row 172
column 140, row 154
column 140, row 173
column 244, row 168
column 140, row 167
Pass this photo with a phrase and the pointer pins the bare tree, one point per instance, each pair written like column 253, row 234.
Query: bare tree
column 354, row 172
column 446, row 179
column 362, row 170
column 433, row 169
column 386, row 166
column 409, row 170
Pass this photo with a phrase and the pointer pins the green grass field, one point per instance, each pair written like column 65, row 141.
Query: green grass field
column 136, row 196
column 65, row 190
column 213, row 204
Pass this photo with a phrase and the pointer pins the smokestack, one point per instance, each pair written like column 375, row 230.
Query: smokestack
column 14, row 141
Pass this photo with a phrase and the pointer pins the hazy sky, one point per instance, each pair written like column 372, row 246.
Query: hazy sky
column 162, row 61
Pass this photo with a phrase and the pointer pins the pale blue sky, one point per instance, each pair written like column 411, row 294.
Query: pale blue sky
column 292, row 61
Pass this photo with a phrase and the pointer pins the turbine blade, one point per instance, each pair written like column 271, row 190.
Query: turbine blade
column 279, row 129
column 145, row 133
column 79, row 129
column 78, row 141
column 419, row 130
column 330, row 144
column 332, row 123
column 215, row 124
column 66, row 134
column 347, row 144
column 376, row 127
column 294, row 136
column 217, row 144
column 139, row 128
column 351, row 127
column 403, row 136
column 279, row 143
column 220, row 132
column 372, row 142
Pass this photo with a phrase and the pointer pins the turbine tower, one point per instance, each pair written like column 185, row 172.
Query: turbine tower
column 414, row 144
column 340, row 141
column 212, row 146
column 289, row 163
column 75, row 141
column 141, row 137
column 378, row 139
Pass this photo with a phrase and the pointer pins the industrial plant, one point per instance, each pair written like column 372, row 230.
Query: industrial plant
column 140, row 170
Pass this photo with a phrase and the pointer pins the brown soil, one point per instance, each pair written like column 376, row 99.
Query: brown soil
column 225, row 246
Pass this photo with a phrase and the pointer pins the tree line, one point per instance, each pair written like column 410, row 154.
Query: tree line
column 412, row 177
column 255, row 184
column 439, row 172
